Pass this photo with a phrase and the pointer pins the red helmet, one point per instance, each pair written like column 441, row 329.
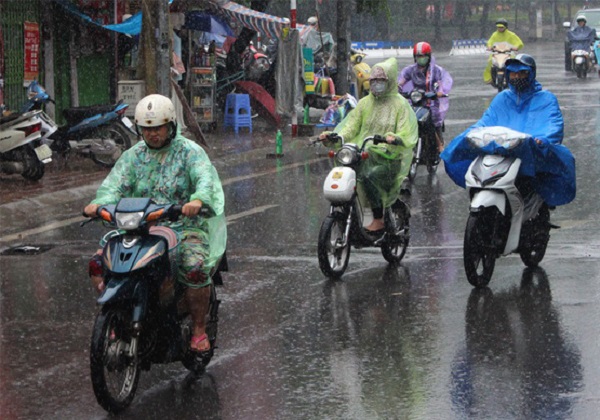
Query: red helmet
column 422, row 48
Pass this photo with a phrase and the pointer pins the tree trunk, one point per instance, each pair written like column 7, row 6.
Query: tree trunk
column 437, row 20
column 483, row 22
column 344, row 12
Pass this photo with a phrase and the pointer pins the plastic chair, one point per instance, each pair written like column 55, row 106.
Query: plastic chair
column 237, row 111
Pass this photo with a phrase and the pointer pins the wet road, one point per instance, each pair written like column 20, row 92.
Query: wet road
column 415, row 341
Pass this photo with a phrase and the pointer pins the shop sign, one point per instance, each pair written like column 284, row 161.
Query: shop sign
column 32, row 52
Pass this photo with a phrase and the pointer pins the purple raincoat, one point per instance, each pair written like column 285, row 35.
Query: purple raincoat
column 414, row 78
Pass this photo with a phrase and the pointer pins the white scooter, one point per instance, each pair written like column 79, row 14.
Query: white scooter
column 506, row 214
column 350, row 213
column 21, row 148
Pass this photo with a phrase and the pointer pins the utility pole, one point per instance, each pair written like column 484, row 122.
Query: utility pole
column 163, row 50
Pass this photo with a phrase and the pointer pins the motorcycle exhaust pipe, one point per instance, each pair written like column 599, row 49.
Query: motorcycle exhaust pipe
column 12, row 167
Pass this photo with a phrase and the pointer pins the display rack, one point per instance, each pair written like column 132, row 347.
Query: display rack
column 202, row 95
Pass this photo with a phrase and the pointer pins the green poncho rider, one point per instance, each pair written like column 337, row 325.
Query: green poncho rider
column 383, row 112
column 168, row 168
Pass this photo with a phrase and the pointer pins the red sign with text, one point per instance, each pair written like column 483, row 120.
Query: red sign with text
column 32, row 52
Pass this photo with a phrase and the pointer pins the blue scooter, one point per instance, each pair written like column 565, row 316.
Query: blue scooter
column 100, row 132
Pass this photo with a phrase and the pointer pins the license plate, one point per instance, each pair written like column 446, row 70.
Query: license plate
column 127, row 123
column 43, row 152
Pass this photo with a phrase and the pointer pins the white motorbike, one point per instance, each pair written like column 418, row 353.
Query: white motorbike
column 350, row 213
column 21, row 148
column 506, row 214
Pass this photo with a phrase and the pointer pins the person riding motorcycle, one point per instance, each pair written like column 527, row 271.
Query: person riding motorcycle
column 169, row 168
column 502, row 34
column 526, row 108
column 582, row 36
column 383, row 112
column 427, row 75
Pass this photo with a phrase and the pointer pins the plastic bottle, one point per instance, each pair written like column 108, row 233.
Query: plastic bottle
column 306, row 114
column 279, row 143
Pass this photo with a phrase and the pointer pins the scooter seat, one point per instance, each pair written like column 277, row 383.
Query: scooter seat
column 75, row 115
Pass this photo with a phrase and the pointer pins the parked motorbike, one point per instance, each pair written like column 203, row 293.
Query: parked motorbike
column 501, row 51
column 255, row 63
column 506, row 214
column 349, row 214
column 426, row 151
column 139, row 322
column 21, row 148
column 100, row 132
column 362, row 72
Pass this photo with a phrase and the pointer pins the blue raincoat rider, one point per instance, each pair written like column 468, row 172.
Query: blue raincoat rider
column 524, row 107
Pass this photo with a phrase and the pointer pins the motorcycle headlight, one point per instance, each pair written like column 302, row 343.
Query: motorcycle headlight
column 346, row 156
column 416, row 96
column 129, row 221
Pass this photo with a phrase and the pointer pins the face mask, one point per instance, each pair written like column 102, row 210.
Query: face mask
column 519, row 84
column 378, row 87
column 422, row 61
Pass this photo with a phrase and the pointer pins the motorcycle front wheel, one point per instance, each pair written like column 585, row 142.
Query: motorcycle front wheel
column 478, row 256
column 412, row 173
column 109, row 144
column 114, row 374
column 534, row 238
column 394, row 247
column 333, row 256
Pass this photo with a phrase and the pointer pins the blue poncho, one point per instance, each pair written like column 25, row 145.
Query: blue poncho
column 535, row 112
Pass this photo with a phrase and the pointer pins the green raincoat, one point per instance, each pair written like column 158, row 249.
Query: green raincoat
column 177, row 173
column 387, row 114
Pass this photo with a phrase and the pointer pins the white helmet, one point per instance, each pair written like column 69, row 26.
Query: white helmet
column 581, row 17
column 155, row 110
column 312, row 20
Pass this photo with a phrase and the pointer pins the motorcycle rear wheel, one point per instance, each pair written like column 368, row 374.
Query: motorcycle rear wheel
column 394, row 248
column 333, row 258
column 478, row 257
column 534, row 238
column 112, row 139
column 34, row 168
column 114, row 375
column 191, row 360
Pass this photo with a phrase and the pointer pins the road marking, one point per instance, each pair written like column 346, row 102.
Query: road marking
column 270, row 171
column 67, row 222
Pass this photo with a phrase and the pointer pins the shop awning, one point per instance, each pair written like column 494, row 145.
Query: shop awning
column 268, row 25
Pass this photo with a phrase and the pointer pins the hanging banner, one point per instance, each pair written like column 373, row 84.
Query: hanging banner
column 309, row 70
column 32, row 52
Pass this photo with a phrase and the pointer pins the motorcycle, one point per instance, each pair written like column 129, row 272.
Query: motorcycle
column 349, row 215
column 100, row 132
column 501, row 51
column 21, row 148
column 426, row 151
column 362, row 72
column 139, row 322
column 582, row 55
column 255, row 63
column 506, row 214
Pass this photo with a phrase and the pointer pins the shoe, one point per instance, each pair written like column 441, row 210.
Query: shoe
column 196, row 340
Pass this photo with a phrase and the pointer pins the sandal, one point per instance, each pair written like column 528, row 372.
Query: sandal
column 196, row 340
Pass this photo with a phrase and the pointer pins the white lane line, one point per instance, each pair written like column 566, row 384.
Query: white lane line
column 67, row 222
